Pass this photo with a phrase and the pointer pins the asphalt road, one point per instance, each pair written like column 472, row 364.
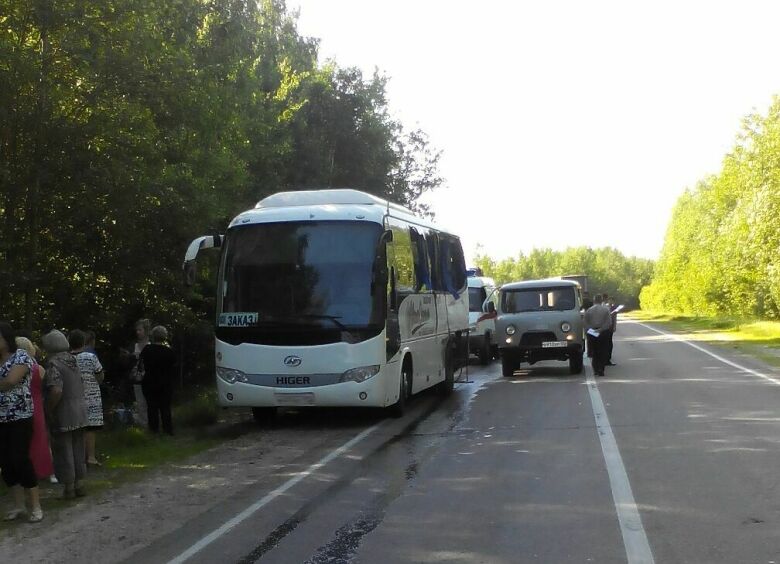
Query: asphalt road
column 673, row 456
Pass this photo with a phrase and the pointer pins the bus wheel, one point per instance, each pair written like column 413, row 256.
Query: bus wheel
column 446, row 387
column 264, row 415
column 398, row 408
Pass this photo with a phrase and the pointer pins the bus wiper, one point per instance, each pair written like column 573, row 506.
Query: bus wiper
column 332, row 318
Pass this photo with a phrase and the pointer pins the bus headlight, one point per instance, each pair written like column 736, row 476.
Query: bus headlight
column 360, row 374
column 510, row 329
column 231, row 375
column 565, row 327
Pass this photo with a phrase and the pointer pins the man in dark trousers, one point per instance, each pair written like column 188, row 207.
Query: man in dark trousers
column 598, row 321
column 611, row 333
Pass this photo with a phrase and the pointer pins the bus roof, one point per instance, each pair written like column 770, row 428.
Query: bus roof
column 329, row 204
column 338, row 196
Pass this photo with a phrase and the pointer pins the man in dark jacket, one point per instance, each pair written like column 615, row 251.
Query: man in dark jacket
column 598, row 320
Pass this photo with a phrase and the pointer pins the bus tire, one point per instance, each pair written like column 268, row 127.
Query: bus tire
column 264, row 415
column 446, row 387
column 404, row 392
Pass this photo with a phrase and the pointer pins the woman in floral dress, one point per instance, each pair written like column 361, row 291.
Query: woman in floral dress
column 91, row 377
column 16, row 426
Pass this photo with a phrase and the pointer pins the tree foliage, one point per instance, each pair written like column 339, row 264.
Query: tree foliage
column 608, row 270
column 720, row 255
column 128, row 128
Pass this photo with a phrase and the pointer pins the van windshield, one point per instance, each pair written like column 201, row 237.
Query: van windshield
column 538, row 299
column 282, row 281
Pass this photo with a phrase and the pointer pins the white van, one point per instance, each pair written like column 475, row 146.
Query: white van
column 482, row 319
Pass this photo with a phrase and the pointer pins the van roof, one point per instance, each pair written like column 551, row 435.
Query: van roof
column 480, row 281
column 543, row 283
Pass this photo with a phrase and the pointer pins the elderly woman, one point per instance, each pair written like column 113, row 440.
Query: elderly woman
column 67, row 413
column 16, row 425
column 91, row 378
column 158, row 360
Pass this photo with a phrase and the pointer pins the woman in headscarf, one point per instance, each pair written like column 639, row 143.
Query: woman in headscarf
column 67, row 413
column 16, row 426
column 40, row 453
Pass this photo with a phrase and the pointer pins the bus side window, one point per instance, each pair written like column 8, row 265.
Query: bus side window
column 404, row 261
column 421, row 266
column 434, row 260
column 453, row 265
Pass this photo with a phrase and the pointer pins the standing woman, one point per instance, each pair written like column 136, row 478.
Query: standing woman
column 16, row 425
column 142, row 327
column 40, row 453
column 91, row 377
column 67, row 413
column 159, row 360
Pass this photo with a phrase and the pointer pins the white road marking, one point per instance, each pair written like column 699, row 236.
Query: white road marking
column 713, row 355
column 249, row 511
column 634, row 537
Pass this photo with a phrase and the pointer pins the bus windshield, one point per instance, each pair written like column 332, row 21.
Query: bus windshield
column 300, row 283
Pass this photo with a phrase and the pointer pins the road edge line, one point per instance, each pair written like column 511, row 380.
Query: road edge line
column 634, row 538
column 713, row 355
column 249, row 511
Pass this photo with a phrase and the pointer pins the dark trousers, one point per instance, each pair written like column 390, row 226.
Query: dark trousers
column 15, row 463
column 609, row 335
column 158, row 406
column 597, row 351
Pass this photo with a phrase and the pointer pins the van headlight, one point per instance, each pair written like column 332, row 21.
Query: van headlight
column 231, row 375
column 510, row 330
column 565, row 327
column 360, row 374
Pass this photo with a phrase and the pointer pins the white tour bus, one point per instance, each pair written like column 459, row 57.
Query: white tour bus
column 334, row 298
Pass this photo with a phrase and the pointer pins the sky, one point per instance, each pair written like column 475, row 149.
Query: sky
column 562, row 123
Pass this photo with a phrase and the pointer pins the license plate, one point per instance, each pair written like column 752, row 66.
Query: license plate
column 554, row 344
column 306, row 398
column 238, row 319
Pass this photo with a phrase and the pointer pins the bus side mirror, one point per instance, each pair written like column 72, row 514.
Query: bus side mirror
column 490, row 307
column 386, row 237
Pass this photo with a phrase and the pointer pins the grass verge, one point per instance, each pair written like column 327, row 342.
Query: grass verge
column 128, row 453
column 760, row 339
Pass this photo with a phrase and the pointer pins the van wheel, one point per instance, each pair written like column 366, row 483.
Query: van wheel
column 264, row 415
column 484, row 351
column 397, row 409
column 507, row 367
column 575, row 364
